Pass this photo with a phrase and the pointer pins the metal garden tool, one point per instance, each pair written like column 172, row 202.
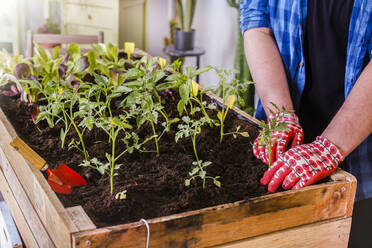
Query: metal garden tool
column 62, row 179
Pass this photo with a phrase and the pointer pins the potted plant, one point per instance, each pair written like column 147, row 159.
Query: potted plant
column 185, row 36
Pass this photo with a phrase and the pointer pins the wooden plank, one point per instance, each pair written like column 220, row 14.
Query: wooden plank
column 19, row 218
column 28, row 211
column 228, row 222
column 325, row 234
column 353, row 184
column 80, row 218
column 8, row 231
column 45, row 202
column 65, row 39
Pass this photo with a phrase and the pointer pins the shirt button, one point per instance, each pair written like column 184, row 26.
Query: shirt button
column 301, row 64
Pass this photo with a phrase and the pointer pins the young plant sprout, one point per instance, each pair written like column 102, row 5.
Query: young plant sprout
column 236, row 133
column 121, row 195
column 144, row 97
column 191, row 128
column 61, row 107
column 268, row 129
column 221, row 115
column 230, row 92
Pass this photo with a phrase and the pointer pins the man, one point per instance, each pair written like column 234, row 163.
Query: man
column 313, row 57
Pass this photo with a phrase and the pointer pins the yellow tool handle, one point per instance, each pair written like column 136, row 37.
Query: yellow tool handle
column 28, row 153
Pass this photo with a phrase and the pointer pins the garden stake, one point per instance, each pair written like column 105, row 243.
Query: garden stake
column 61, row 180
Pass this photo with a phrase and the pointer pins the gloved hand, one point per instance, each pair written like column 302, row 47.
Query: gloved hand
column 303, row 165
column 280, row 139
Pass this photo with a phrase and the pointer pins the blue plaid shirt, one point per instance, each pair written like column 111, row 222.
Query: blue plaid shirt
column 287, row 20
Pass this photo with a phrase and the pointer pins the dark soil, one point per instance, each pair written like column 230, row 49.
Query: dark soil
column 155, row 184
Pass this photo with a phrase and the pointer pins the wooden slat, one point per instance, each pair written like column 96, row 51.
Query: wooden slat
column 19, row 218
column 341, row 175
column 45, row 202
column 229, row 222
column 325, row 234
column 65, row 39
column 80, row 218
column 24, row 202
column 9, row 235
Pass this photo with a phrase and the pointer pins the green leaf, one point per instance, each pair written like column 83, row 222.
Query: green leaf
column 244, row 134
column 194, row 171
column 101, row 170
column 56, row 52
column 275, row 106
column 92, row 57
column 41, row 116
column 217, row 183
column 184, row 92
column 181, row 106
column 159, row 75
column 117, row 166
column 108, row 156
column 63, row 137
column 202, row 174
column 206, row 163
column 187, row 182
column 201, row 71
column 123, row 88
column 74, row 51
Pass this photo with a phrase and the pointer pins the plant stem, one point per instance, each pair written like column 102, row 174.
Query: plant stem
column 112, row 162
column 196, row 155
column 194, row 146
column 156, row 138
column 222, row 113
column 202, row 107
column 79, row 134
column 270, row 141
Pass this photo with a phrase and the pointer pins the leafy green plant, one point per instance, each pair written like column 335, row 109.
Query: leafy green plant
column 228, row 91
column 267, row 129
column 191, row 128
column 144, row 98
column 237, row 132
column 121, row 195
column 185, row 14
column 62, row 102
column 113, row 127
column 227, row 95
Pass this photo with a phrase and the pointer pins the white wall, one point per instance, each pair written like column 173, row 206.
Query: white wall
column 216, row 25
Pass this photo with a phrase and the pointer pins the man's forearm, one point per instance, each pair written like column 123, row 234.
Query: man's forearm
column 353, row 122
column 267, row 68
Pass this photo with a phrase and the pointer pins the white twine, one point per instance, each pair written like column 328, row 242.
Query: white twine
column 148, row 232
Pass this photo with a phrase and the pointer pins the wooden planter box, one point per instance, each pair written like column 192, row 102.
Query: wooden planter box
column 315, row 216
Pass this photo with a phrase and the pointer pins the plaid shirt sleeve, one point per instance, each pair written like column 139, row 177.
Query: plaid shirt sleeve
column 254, row 14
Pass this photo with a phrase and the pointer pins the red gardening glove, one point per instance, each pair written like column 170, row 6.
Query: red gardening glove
column 303, row 165
column 280, row 139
